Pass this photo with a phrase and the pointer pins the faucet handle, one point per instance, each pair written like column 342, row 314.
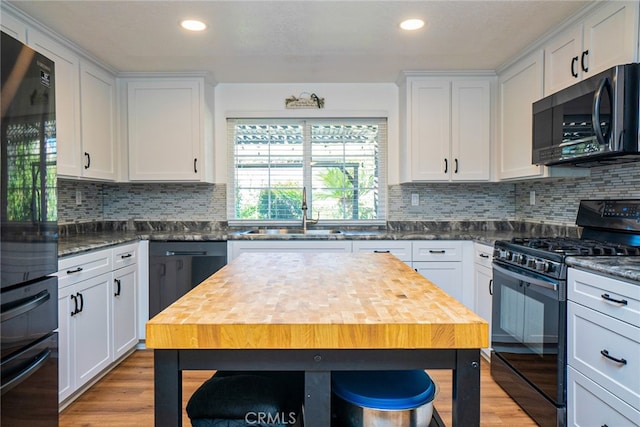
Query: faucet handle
column 314, row 221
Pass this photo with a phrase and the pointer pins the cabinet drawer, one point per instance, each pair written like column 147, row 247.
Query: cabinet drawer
column 76, row 268
column 437, row 251
column 125, row 255
column 482, row 254
column 588, row 404
column 616, row 298
column 399, row 248
column 590, row 334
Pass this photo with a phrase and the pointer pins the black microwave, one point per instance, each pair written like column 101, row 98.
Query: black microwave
column 590, row 123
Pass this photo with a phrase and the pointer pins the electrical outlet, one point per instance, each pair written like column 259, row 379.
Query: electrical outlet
column 532, row 197
column 415, row 199
column 78, row 197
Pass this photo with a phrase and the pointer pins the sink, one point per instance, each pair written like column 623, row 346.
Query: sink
column 292, row 231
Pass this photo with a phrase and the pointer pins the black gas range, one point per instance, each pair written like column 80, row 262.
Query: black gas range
column 529, row 319
column 546, row 255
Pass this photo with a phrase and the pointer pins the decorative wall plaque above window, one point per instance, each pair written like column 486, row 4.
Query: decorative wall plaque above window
column 308, row 101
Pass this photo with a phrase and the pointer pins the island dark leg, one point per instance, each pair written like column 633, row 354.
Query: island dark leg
column 167, row 389
column 317, row 398
column 466, row 389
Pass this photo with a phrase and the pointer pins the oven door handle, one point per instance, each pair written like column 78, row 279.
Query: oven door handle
column 25, row 305
column 33, row 366
column 528, row 279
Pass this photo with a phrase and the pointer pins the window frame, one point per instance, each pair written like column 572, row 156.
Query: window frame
column 307, row 123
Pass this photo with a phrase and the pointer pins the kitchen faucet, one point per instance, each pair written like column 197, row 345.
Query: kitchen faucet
column 306, row 220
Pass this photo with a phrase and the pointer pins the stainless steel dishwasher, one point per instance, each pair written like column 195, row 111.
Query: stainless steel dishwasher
column 177, row 267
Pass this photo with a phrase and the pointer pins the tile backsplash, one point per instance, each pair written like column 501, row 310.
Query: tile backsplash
column 556, row 199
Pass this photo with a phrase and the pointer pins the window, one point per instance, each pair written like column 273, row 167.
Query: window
column 339, row 162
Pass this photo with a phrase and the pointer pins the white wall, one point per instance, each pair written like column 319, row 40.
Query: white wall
column 341, row 100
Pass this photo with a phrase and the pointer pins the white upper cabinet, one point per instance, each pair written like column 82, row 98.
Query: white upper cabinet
column 519, row 86
column 446, row 134
column 85, row 112
column 170, row 130
column 98, row 123
column 606, row 37
column 471, row 130
column 67, row 78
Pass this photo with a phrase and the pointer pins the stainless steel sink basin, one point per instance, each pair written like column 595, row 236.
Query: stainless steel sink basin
column 292, row 231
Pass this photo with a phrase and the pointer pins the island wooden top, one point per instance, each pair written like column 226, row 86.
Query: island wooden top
column 316, row 301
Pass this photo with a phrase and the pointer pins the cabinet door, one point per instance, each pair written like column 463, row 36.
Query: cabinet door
column 430, row 130
column 611, row 36
column 588, row 404
column 446, row 275
column 164, row 119
column 97, row 101
column 92, row 328
column 470, row 130
column 124, row 293
column 484, row 297
column 562, row 60
column 67, row 78
column 606, row 350
column 66, row 382
column 519, row 87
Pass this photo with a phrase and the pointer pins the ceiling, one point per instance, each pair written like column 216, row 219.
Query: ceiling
column 301, row 41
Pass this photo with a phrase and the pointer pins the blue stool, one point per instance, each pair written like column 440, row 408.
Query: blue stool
column 382, row 398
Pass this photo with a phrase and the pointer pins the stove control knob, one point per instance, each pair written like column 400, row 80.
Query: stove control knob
column 531, row 262
column 520, row 259
column 542, row 265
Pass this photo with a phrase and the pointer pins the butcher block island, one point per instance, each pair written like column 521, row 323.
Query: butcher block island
column 317, row 313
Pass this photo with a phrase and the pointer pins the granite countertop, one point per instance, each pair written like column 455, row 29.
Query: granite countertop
column 74, row 244
column 620, row 267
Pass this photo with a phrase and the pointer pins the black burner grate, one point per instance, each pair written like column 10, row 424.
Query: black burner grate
column 577, row 247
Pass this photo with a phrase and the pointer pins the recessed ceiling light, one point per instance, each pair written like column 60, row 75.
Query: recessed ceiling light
column 412, row 24
column 193, row 25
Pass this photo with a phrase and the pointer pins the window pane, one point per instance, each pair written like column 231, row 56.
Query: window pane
column 268, row 171
column 345, row 170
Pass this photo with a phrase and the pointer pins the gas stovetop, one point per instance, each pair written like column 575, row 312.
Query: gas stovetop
column 610, row 228
column 577, row 247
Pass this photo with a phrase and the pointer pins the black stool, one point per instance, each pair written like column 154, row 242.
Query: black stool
column 248, row 398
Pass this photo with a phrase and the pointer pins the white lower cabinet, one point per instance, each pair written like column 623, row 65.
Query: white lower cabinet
column 440, row 261
column 588, row 404
column 483, row 286
column 84, row 331
column 400, row 248
column 237, row 247
column 125, row 302
column 97, row 308
column 603, row 350
column 445, row 275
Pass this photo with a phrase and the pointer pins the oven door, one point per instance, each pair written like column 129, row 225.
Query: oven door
column 529, row 328
column 30, row 385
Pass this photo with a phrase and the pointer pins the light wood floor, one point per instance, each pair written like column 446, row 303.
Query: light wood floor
column 124, row 397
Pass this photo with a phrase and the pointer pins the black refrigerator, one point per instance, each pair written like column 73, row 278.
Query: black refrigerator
column 29, row 239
